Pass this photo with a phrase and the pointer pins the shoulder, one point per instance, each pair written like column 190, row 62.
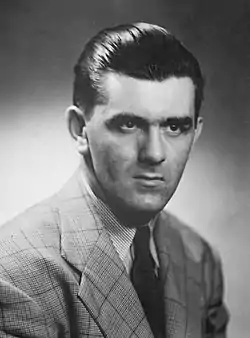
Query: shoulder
column 195, row 246
column 37, row 227
column 30, row 249
column 32, row 219
column 188, row 250
column 43, row 220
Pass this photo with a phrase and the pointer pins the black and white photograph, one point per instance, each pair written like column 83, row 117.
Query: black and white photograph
column 124, row 169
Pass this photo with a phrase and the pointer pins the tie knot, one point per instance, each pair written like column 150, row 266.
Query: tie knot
column 142, row 237
column 142, row 247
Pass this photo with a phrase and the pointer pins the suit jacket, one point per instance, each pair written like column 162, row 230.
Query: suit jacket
column 60, row 276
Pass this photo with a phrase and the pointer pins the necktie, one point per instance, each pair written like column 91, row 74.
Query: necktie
column 146, row 283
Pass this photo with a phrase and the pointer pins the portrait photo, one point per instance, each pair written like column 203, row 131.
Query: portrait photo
column 124, row 170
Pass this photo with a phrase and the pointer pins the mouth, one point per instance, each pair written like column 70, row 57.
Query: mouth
column 150, row 177
column 150, row 180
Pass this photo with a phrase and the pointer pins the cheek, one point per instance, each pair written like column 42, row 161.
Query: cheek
column 111, row 159
column 178, row 157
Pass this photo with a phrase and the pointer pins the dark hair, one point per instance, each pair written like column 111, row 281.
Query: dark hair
column 139, row 50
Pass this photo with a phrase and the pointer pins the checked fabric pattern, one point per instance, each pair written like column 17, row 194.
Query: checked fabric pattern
column 60, row 276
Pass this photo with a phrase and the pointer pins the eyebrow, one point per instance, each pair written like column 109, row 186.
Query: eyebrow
column 184, row 120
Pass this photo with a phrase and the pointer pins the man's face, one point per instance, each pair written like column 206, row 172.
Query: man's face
column 140, row 140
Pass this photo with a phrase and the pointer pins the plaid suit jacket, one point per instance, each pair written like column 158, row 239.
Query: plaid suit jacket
column 60, row 276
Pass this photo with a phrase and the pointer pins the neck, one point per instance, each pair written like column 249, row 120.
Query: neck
column 128, row 217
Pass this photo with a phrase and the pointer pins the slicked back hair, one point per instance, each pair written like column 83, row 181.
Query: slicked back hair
column 139, row 50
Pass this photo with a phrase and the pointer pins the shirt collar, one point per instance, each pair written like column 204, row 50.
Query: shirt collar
column 120, row 235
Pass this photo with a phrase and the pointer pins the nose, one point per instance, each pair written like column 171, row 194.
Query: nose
column 152, row 150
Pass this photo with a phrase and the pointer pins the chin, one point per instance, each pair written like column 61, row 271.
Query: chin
column 138, row 208
column 148, row 208
column 152, row 202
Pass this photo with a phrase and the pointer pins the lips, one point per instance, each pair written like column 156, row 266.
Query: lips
column 150, row 177
column 150, row 181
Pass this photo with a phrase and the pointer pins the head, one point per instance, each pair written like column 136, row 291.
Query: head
column 137, row 97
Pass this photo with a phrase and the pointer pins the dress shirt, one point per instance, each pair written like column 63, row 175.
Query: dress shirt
column 120, row 235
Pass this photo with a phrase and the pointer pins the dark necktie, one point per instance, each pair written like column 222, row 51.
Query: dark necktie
column 146, row 283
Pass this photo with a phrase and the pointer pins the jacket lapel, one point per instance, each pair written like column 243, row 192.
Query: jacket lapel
column 109, row 295
column 180, row 273
column 172, row 273
column 105, row 288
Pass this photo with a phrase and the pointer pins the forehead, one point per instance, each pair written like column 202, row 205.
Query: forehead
column 173, row 96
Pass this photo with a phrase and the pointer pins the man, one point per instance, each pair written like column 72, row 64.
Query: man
column 101, row 258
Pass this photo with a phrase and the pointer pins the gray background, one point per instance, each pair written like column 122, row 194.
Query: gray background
column 39, row 44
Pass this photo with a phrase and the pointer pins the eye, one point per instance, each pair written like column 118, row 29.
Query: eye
column 177, row 126
column 128, row 125
column 173, row 129
column 125, row 123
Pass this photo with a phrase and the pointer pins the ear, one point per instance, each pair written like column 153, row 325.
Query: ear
column 198, row 128
column 77, row 128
